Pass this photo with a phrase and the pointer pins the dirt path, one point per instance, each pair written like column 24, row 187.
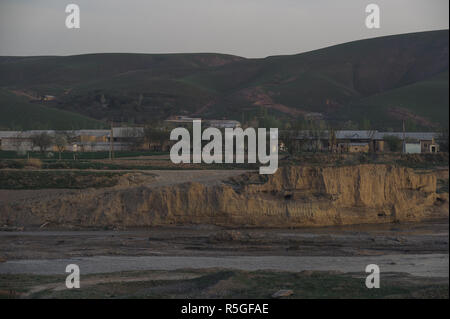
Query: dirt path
column 427, row 265
column 89, row 282
column 156, row 178
column 213, row 241
column 165, row 177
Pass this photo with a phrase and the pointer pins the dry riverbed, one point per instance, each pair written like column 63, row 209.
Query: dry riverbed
column 213, row 262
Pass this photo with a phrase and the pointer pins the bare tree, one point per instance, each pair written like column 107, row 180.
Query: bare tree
column 61, row 143
column 156, row 136
column 42, row 140
column 134, row 136
column 332, row 140
column 17, row 141
column 71, row 136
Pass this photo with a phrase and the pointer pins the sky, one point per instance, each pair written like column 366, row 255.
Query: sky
column 248, row 28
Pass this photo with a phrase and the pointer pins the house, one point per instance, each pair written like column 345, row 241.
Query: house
column 314, row 116
column 343, row 141
column 336, row 141
column 427, row 140
column 358, row 147
column 20, row 141
column 355, row 141
column 223, row 123
column 89, row 140
column 181, row 121
column 48, row 98
column 185, row 121
column 133, row 138
column 412, row 148
column 309, row 140
column 92, row 136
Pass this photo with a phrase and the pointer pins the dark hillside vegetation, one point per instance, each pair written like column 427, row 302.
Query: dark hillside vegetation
column 384, row 80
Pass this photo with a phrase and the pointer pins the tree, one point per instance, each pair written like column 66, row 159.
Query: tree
column 17, row 141
column 332, row 140
column 365, row 125
column 410, row 126
column 288, row 138
column 134, row 136
column 269, row 121
column 442, row 140
column 42, row 140
column 61, row 143
column 71, row 136
column 156, row 135
column 393, row 142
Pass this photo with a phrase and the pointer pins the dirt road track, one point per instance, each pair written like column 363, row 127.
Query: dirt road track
column 427, row 265
column 156, row 178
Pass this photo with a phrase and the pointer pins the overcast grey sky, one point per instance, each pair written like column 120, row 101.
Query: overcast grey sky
column 250, row 28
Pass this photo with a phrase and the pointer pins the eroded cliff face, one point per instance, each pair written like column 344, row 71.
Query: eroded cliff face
column 294, row 196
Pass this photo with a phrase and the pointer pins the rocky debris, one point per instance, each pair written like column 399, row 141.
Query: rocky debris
column 11, row 228
column 229, row 235
column 283, row 293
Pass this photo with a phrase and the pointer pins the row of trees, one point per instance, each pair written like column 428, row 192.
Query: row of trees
column 44, row 140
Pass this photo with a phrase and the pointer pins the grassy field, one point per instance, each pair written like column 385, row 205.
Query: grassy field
column 79, row 155
column 21, row 179
column 428, row 99
column 161, row 161
column 18, row 113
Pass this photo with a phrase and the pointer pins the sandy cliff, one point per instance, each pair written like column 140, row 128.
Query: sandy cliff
column 294, row 196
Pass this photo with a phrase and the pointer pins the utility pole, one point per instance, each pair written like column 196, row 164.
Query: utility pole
column 111, row 143
column 403, row 145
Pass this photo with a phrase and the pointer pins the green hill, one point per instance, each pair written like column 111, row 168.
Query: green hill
column 424, row 103
column 383, row 80
column 18, row 114
column 339, row 80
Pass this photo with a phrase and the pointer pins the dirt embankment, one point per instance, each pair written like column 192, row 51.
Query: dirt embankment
column 294, row 196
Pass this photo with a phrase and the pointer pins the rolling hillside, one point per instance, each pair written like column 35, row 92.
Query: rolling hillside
column 17, row 113
column 384, row 80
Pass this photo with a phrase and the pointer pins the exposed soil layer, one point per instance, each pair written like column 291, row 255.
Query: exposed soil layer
column 295, row 196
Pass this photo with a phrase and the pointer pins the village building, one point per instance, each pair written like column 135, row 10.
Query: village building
column 356, row 141
column 427, row 140
column 364, row 141
column 185, row 121
column 47, row 98
column 223, row 123
column 358, row 147
column 21, row 141
column 412, row 148
column 133, row 138
column 181, row 121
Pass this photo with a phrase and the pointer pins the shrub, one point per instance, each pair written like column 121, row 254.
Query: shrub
column 34, row 162
column 394, row 143
column 12, row 164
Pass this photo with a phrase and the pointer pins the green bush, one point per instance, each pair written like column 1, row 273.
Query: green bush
column 394, row 143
